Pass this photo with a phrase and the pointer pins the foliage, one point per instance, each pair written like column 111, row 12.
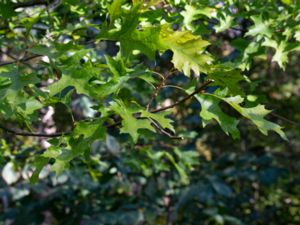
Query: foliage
column 111, row 95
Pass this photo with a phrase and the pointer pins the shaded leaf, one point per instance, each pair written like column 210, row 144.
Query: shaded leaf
column 130, row 124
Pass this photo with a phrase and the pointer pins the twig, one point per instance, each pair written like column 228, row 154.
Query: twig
column 21, row 60
column 285, row 119
column 30, row 4
column 198, row 90
column 30, row 134
column 158, row 88
column 164, row 131
column 202, row 87
column 16, row 59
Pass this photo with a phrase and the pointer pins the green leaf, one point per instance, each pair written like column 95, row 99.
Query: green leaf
column 183, row 175
column 191, row 13
column 252, row 50
column 145, row 40
column 221, row 187
column 116, row 66
column 225, row 75
column 83, row 136
column 111, row 87
column 7, row 10
column 16, row 82
column 145, row 76
column 42, row 50
column 288, row 2
column 13, row 92
column 225, row 23
column 210, row 109
column 281, row 54
column 260, row 28
column 121, row 75
column 30, row 105
column 76, row 75
column 89, row 129
column 115, row 10
column 130, row 124
column 59, row 166
column 188, row 50
column 39, row 164
column 255, row 114
column 160, row 118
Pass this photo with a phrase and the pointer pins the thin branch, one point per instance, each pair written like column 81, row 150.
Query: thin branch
column 198, row 90
column 30, row 134
column 16, row 59
column 40, row 27
column 163, row 131
column 31, row 3
column 174, row 86
column 201, row 88
column 21, row 60
column 160, row 86
column 285, row 119
column 157, row 73
column 157, row 90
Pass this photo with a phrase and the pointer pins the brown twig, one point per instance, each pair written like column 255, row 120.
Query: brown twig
column 30, row 134
column 20, row 60
column 198, row 90
column 158, row 88
column 164, row 131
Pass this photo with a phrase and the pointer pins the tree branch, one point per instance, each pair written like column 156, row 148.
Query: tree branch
column 198, row 90
column 30, row 4
column 21, row 60
column 201, row 88
column 159, row 87
column 29, row 134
